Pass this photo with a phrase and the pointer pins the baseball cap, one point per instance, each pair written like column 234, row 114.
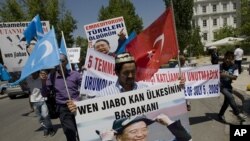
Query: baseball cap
column 120, row 124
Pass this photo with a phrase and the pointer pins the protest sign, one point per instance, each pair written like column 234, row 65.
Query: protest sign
column 74, row 54
column 13, row 50
column 99, row 72
column 108, row 29
column 201, row 82
column 98, row 114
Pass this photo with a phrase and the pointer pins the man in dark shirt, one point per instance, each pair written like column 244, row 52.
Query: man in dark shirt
column 214, row 57
column 228, row 73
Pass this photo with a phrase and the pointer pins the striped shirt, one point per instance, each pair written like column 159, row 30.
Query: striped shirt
column 116, row 88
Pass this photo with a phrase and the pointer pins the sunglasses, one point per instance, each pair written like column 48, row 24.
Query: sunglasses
column 62, row 60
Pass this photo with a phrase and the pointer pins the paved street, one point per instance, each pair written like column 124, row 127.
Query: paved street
column 16, row 125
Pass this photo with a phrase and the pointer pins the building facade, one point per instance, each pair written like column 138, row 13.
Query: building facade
column 211, row 15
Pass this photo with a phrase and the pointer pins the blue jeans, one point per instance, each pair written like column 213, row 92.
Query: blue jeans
column 228, row 100
column 42, row 112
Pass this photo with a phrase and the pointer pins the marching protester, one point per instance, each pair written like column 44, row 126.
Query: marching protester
column 34, row 83
column 55, row 82
column 238, row 54
column 29, row 49
column 184, row 64
column 125, row 69
column 228, row 73
column 136, row 128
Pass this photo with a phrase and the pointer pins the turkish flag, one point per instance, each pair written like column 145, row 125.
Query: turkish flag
column 154, row 46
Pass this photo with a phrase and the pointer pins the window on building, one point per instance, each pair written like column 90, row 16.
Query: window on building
column 205, row 36
column 224, row 21
column 204, row 23
column 204, row 9
column 224, row 7
column 235, row 20
column 234, row 6
column 214, row 8
column 214, row 22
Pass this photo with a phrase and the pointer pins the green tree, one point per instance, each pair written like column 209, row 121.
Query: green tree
column 11, row 11
column 183, row 12
column 226, row 31
column 123, row 8
column 48, row 10
column 196, row 47
column 245, row 25
column 245, row 17
column 83, row 44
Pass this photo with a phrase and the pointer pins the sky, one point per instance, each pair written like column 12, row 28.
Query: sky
column 86, row 11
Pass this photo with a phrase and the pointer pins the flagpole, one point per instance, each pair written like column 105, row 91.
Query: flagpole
column 66, row 50
column 177, row 43
column 65, row 81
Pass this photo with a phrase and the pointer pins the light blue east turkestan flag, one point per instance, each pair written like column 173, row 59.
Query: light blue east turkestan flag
column 45, row 55
column 122, row 49
column 34, row 29
column 63, row 50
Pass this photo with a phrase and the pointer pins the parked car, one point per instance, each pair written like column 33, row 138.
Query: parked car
column 3, row 86
column 16, row 90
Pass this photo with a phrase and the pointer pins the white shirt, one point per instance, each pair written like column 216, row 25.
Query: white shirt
column 116, row 88
column 35, row 86
column 238, row 54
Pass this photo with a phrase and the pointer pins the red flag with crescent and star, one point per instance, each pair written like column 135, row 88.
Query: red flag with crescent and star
column 154, row 46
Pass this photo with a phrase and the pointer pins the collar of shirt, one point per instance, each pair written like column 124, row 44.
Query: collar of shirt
column 66, row 73
column 122, row 89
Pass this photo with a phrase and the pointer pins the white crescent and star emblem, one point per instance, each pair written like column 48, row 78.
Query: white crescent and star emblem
column 151, row 52
column 48, row 51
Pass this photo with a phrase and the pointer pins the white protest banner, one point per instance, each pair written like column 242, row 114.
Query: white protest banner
column 14, row 52
column 102, row 114
column 201, row 82
column 108, row 29
column 74, row 54
column 99, row 72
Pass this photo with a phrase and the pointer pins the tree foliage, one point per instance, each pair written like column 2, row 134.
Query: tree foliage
column 11, row 11
column 245, row 17
column 123, row 8
column 183, row 12
column 245, row 25
column 226, row 31
column 48, row 10
column 196, row 47
column 83, row 44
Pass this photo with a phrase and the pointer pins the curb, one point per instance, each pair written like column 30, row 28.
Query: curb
column 3, row 96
